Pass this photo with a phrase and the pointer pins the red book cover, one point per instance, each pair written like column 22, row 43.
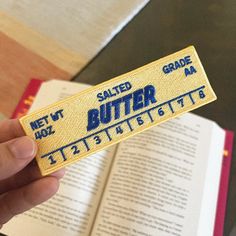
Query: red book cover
column 27, row 98
column 224, row 183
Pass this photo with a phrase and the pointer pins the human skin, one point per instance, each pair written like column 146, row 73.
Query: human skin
column 21, row 185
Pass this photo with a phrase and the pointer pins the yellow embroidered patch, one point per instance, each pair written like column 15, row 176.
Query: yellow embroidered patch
column 110, row 112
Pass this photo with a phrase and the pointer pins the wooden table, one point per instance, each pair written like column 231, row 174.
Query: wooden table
column 164, row 27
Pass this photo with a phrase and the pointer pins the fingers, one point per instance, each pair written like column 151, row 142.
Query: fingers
column 26, row 176
column 15, row 155
column 10, row 129
column 25, row 189
column 23, row 199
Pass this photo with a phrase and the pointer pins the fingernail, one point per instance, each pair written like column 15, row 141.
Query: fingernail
column 59, row 174
column 23, row 147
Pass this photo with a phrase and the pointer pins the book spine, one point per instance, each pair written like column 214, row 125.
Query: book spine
column 224, row 182
column 27, row 98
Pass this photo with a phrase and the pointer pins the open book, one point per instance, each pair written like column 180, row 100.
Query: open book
column 164, row 181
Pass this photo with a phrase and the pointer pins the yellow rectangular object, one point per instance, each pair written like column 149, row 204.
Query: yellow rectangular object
column 110, row 112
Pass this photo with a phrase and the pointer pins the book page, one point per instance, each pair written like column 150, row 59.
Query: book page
column 164, row 181
column 71, row 211
column 55, row 90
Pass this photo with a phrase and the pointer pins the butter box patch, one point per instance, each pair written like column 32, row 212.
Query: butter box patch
column 110, row 112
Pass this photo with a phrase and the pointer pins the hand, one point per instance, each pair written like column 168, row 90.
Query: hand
column 21, row 184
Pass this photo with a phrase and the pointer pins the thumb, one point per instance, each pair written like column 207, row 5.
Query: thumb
column 15, row 155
